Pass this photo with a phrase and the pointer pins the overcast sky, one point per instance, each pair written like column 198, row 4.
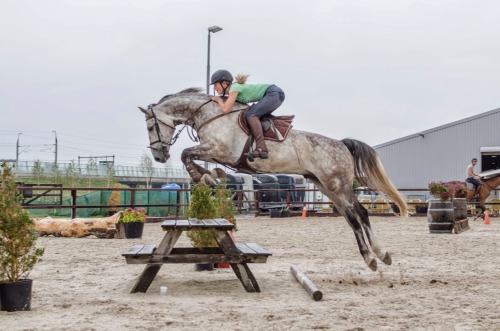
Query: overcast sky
column 370, row 70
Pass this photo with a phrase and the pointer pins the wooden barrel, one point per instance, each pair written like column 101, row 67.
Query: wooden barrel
column 440, row 216
column 460, row 209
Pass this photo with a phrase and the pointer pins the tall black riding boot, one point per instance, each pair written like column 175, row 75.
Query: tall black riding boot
column 260, row 145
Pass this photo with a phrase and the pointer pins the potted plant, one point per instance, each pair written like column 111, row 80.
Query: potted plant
column 133, row 222
column 450, row 211
column 18, row 251
column 448, row 190
column 202, row 206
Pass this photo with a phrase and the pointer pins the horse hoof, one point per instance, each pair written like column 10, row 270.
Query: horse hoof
column 372, row 264
column 207, row 180
column 218, row 173
column 387, row 259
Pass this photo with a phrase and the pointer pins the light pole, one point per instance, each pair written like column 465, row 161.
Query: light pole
column 17, row 148
column 55, row 135
column 212, row 29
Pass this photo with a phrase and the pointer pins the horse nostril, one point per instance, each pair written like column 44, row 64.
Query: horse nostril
column 157, row 159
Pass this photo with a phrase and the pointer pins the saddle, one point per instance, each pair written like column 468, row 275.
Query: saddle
column 275, row 128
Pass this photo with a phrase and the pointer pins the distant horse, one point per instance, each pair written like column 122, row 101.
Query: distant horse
column 330, row 164
column 484, row 192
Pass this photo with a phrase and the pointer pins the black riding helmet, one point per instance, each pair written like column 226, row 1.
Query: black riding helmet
column 221, row 76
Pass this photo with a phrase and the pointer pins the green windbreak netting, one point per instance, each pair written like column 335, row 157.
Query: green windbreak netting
column 101, row 198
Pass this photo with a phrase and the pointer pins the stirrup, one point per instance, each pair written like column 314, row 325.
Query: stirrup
column 257, row 153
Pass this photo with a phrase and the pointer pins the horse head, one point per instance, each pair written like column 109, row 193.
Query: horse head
column 164, row 116
column 160, row 131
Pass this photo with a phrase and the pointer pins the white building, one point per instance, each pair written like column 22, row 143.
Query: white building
column 443, row 153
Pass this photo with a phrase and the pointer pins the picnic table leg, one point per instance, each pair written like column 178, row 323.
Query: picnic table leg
column 241, row 270
column 245, row 276
column 164, row 248
column 146, row 278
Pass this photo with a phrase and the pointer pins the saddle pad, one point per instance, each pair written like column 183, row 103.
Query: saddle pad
column 274, row 127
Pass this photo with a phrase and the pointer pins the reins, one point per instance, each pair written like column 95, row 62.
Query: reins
column 163, row 143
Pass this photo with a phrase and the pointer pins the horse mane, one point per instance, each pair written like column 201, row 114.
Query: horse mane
column 189, row 90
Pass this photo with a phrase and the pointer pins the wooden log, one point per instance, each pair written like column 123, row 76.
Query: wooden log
column 308, row 285
column 78, row 227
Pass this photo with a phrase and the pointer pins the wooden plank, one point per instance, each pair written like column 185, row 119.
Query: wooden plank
column 245, row 250
column 245, row 276
column 223, row 223
column 194, row 258
column 196, row 224
column 461, row 226
column 260, row 250
column 168, row 224
column 147, row 250
column 146, row 278
column 182, row 224
column 132, row 250
column 210, row 223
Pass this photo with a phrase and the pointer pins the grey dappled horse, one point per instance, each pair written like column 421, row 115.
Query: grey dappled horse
column 330, row 164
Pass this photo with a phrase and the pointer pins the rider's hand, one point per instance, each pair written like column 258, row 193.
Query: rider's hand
column 217, row 99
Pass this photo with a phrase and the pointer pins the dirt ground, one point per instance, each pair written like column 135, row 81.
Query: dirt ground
column 436, row 282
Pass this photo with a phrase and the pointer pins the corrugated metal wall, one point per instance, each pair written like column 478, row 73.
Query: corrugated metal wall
column 440, row 154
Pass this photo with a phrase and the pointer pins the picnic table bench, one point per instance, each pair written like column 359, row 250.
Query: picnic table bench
column 238, row 255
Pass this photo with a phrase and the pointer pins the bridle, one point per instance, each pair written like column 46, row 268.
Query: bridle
column 164, row 145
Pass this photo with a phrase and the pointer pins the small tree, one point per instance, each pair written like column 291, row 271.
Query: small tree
column 56, row 173
column 147, row 168
column 18, row 254
column 114, row 199
column 110, row 172
column 91, row 170
column 71, row 173
column 223, row 202
column 37, row 171
column 202, row 207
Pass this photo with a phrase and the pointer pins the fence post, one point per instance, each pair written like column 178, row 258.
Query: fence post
column 132, row 198
column 73, row 203
column 178, row 202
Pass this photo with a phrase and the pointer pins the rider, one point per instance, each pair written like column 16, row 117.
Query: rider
column 268, row 97
column 472, row 177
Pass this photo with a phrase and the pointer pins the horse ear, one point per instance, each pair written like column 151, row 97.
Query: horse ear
column 144, row 111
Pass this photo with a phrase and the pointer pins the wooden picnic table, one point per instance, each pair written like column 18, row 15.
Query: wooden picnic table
column 238, row 255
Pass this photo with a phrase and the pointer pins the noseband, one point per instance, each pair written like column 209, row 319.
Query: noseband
column 164, row 145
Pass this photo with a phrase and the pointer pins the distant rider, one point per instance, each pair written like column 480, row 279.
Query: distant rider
column 472, row 177
column 268, row 97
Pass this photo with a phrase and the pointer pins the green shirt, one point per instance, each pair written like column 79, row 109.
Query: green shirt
column 249, row 92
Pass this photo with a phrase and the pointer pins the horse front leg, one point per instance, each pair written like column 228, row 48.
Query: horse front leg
column 195, row 171
column 199, row 174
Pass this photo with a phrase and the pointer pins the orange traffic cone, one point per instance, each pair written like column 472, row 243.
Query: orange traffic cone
column 486, row 218
column 304, row 212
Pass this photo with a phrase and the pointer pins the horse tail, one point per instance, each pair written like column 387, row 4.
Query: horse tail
column 370, row 171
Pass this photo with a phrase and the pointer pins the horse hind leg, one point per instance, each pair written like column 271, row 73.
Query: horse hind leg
column 383, row 255
column 352, row 215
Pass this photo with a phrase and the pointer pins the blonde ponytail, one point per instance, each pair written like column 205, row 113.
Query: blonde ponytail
column 241, row 78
